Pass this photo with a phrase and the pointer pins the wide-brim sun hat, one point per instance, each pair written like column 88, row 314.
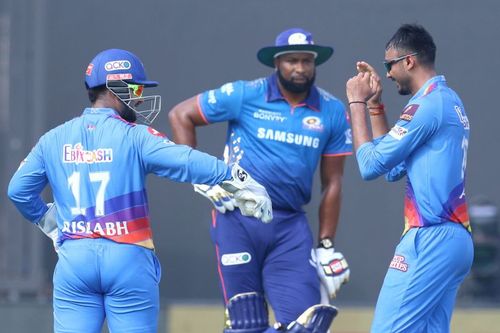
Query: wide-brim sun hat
column 291, row 41
column 116, row 64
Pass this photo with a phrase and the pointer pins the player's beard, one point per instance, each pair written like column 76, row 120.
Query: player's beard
column 403, row 87
column 128, row 114
column 296, row 88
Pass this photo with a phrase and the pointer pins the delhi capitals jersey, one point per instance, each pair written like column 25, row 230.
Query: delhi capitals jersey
column 96, row 165
column 428, row 144
column 278, row 144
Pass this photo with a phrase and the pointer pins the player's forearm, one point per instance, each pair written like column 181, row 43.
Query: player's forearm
column 30, row 205
column 329, row 211
column 184, row 117
column 183, row 129
column 359, row 125
column 378, row 120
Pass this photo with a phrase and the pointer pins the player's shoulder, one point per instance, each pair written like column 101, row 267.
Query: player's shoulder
column 146, row 132
column 328, row 98
column 257, row 85
column 423, row 107
column 330, row 104
column 236, row 88
column 60, row 129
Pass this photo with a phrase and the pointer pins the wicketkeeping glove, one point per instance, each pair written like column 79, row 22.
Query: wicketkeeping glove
column 48, row 224
column 220, row 198
column 332, row 269
column 251, row 197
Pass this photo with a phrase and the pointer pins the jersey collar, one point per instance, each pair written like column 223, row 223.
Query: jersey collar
column 429, row 86
column 274, row 94
column 106, row 111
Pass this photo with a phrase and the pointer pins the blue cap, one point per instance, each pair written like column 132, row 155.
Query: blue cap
column 116, row 64
column 294, row 40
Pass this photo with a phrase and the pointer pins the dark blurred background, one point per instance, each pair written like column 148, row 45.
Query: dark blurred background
column 193, row 45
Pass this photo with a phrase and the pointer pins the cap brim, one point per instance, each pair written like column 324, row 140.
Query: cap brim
column 266, row 54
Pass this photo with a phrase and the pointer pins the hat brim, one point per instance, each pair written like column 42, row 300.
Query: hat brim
column 266, row 54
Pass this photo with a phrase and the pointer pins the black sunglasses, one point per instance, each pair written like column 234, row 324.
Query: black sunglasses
column 388, row 64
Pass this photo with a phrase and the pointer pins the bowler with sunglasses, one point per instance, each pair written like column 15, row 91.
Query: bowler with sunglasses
column 428, row 147
column 96, row 165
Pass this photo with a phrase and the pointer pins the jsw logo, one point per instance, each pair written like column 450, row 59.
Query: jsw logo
column 117, row 65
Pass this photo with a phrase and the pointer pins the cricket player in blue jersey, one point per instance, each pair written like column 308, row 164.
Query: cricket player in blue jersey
column 428, row 145
column 96, row 165
column 279, row 129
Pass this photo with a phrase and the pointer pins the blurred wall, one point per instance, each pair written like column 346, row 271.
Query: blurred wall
column 193, row 45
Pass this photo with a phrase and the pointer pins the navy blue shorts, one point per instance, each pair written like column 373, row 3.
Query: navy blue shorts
column 273, row 259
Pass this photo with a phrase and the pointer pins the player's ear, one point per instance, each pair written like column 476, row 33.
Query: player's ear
column 410, row 62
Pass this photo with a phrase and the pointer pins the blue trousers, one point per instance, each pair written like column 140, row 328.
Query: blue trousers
column 273, row 259
column 419, row 290
column 96, row 279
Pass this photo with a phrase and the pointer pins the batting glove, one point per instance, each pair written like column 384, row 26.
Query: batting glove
column 332, row 269
column 48, row 224
column 220, row 198
column 251, row 197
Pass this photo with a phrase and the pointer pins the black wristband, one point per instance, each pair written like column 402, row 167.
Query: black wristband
column 359, row 102
column 326, row 243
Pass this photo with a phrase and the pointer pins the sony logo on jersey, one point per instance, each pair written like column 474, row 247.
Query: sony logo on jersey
column 287, row 137
column 269, row 115
column 76, row 154
column 104, row 229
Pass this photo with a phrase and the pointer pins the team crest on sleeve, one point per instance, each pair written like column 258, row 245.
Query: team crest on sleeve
column 409, row 112
column 398, row 132
column 348, row 136
column 154, row 132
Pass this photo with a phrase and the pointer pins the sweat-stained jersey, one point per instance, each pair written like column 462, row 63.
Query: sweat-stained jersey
column 278, row 144
column 96, row 165
column 428, row 144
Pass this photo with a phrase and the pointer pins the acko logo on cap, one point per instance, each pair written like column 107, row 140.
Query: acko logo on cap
column 117, row 65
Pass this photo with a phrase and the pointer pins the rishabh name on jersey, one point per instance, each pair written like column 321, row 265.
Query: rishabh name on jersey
column 446, row 154
column 279, row 144
column 126, row 221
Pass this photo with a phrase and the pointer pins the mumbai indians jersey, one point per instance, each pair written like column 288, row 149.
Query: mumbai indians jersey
column 96, row 165
column 278, row 144
column 429, row 145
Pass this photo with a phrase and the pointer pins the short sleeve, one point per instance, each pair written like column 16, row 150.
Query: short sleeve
column 222, row 104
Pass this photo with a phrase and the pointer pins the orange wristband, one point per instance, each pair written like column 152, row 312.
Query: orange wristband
column 380, row 110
